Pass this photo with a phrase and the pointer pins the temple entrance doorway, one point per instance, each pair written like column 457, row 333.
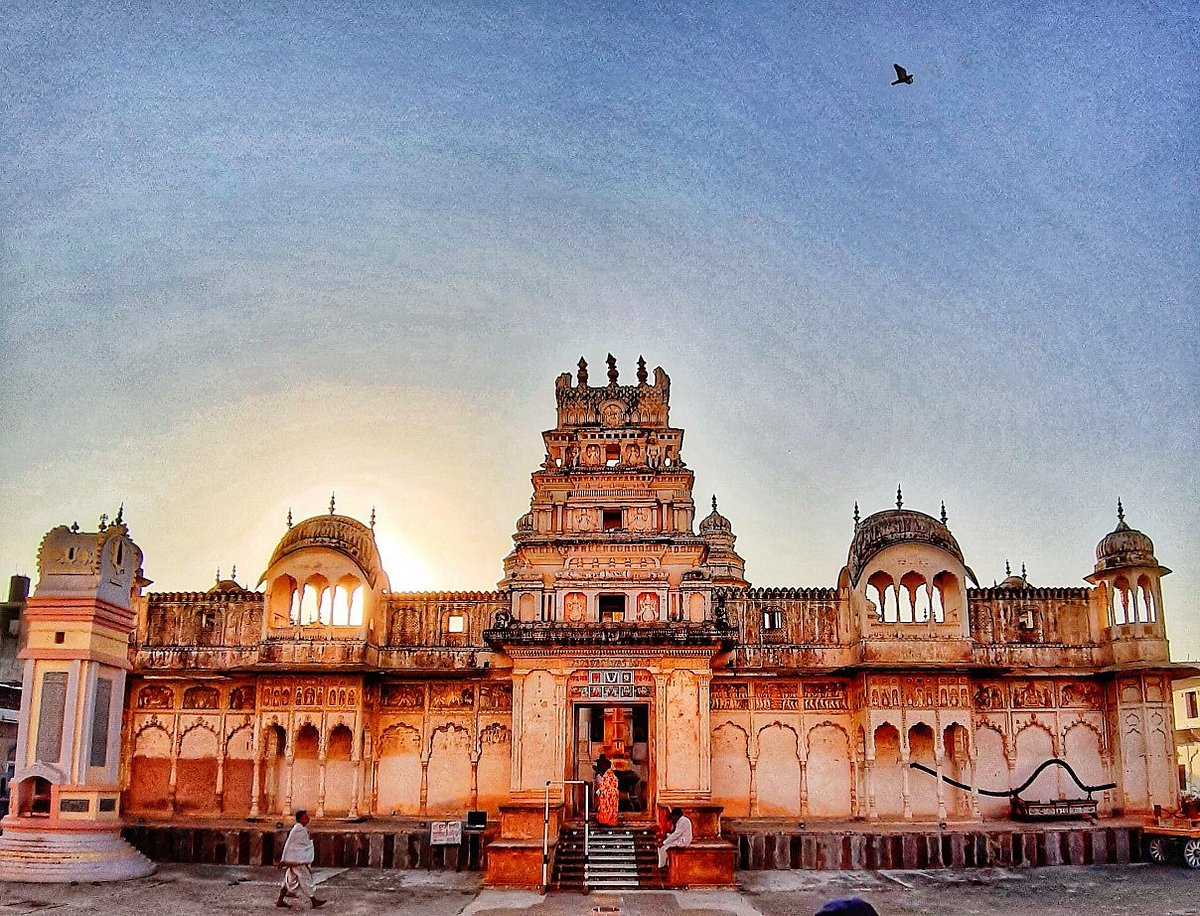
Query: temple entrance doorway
column 622, row 733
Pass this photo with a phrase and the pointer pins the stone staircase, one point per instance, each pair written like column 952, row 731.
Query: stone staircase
column 619, row 858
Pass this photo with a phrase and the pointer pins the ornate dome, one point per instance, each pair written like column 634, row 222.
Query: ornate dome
column 1124, row 546
column 1012, row 580
column 898, row 526
column 715, row 522
column 346, row 535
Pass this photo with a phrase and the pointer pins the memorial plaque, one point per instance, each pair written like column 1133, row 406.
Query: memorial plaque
column 445, row 833
column 108, row 805
column 50, row 716
column 100, row 718
column 74, row 805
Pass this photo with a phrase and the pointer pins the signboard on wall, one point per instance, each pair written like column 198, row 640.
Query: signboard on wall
column 445, row 833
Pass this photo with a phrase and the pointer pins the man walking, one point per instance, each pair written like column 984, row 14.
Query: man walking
column 296, row 862
column 679, row 837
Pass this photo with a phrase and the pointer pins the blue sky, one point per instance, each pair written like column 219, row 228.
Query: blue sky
column 250, row 256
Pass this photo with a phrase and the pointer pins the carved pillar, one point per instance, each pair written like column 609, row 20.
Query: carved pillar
column 804, row 787
column 973, row 797
column 172, row 789
column 355, row 770
column 288, row 766
column 475, row 778
column 869, row 779
column 660, row 730
column 705, row 728
column 424, row 783
column 904, row 771
column 256, row 777
column 754, row 787
column 221, row 778
column 321, row 764
column 941, row 786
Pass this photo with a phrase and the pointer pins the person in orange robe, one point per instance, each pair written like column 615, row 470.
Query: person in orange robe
column 607, row 793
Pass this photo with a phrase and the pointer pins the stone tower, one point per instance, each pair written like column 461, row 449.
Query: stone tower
column 64, row 821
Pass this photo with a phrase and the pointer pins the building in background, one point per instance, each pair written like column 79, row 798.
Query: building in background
column 1187, row 734
column 11, row 616
column 622, row 626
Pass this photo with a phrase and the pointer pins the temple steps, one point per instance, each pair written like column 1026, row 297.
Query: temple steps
column 617, row 858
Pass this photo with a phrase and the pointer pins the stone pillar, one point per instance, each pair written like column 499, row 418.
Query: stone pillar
column 904, row 771
column 289, row 765
column 804, row 787
column 172, row 780
column 424, row 783
column 941, row 786
column 322, row 762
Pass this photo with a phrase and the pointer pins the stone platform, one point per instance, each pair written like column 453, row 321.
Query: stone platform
column 855, row 845
column 59, row 856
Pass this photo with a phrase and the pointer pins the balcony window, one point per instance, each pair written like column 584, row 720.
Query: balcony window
column 612, row 608
column 612, row 519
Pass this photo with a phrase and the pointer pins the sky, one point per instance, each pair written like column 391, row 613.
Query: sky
column 254, row 254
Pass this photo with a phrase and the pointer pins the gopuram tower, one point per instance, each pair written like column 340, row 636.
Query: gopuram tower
column 64, row 820
column 616, row 618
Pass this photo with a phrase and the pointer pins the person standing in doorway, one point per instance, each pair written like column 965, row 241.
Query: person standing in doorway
column 679, row 837
column 608, row 793
column 296, row 862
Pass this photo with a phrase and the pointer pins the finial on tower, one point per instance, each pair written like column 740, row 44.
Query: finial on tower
column 641, row 373
column 120, row 514
column 332, row 498
column 856, row 515
column 944, row 516
column 104, row 521
column 1007, row 569
column 372, row 518
column 1120, row 511
column 75, row 527
column 289, row 520
column 714, row 501
column 899, row 498
column 612, row 369
column 582, row 375
column 1023, row 574
column 218, row 576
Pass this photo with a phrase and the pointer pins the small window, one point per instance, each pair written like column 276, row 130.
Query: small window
column 60, row 637
column 773, row 619
column 1192, row 700
column 456, row 623
column 612, row 519
column 612, row 455
column 612, row 608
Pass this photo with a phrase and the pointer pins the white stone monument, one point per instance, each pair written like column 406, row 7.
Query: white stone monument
column 64, row 815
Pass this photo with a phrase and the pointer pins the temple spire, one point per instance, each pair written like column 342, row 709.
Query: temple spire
column 120, row 519
column 856, row 515
column 1007, row 568
column 641, row 372
column 944, row 516
column 289, row 518
column 372, row 518
column 1120, row 511
column 714, row 501
column 899, row 498
column 1023, row 574
column 582, row 375
column 332, row 502
column 218, row 576
column 612, row 369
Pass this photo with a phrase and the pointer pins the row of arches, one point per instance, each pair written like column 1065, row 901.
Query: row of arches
column 765, row 774
column 335, row 774
column 1133, row 603
column 318, row 601
column 912, row 598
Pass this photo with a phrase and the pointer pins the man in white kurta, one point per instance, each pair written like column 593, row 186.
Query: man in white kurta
column 679, row 837
column 296, row 861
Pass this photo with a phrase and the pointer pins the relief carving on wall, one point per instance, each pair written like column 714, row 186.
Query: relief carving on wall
column 495, row 696
column 990, row 695
column 729, row 696
column 155, row 696
column 241, row 698
column 825, row 696
column 1032, row 695
column 1130, row 690
column 780, row 695
column 647, row 606
column 575, row 605
column 201, row 697
column 452, row 696
column 283, row 693
column 1081, row 694
column 402, row 696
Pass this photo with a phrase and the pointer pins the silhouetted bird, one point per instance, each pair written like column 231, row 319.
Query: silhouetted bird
column 902, row 76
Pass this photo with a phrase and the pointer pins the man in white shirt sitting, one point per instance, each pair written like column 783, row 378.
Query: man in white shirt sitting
column 679, row 837
column 296, row 861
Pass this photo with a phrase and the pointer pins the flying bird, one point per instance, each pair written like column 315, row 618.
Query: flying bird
column 902, row 76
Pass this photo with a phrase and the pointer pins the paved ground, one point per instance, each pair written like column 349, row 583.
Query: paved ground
column 199, row 890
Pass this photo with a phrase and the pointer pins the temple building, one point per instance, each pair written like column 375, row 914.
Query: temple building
column 625, row 626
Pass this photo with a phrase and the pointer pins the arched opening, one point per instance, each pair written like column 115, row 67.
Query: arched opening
column 1120, row 608
column 306, row 768
column 955, row 758
column 947, row 595
column 339, row 771
column 33, row 797
column 341, row 607
column 285, row 603
column 886, row 774
column 1146, row 599
column 923, row 788
column 356, row 606
column 275, row 749
column 879, row 586
column 309, row 601
column 911, row 585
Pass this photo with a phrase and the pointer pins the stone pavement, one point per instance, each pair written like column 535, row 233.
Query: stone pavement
column 200, row 890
